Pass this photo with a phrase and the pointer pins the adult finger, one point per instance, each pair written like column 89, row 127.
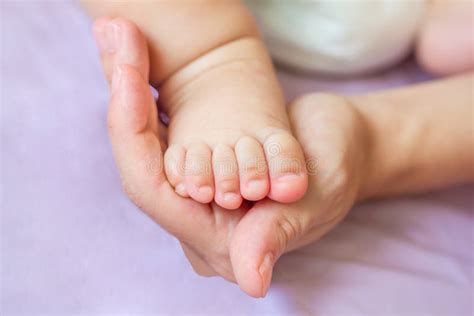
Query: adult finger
column 261, row 237
column 121, row 42
column 139, row 156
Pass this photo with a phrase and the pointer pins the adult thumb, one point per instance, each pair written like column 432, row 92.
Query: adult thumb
column 260, row 238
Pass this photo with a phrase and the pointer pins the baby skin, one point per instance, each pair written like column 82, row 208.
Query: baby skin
column 229, row 136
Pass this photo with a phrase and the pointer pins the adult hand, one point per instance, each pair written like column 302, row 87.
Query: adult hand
column 242, row 245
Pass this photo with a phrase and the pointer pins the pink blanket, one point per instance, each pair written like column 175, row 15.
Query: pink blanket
column 72, row 243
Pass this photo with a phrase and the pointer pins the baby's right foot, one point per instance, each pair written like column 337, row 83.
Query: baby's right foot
column 229, row 135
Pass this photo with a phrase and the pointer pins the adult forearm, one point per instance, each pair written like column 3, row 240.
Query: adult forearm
column 421, row 137
column 179, row 31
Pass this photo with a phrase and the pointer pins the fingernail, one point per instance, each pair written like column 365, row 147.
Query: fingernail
column 265, row 271
column 116, row 78
column 112, row 37
column 181, row 189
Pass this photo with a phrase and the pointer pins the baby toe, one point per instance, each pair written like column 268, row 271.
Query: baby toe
column 226, row 177
column 199, row 180
column 253, row 171
column 174, row 168
column 286, row 167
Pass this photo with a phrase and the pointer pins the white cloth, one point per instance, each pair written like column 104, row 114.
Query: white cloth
column 340, row 37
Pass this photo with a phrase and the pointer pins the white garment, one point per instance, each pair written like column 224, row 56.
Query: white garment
column 341, row 37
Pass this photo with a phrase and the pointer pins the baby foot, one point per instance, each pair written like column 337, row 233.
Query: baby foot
column 229, row 135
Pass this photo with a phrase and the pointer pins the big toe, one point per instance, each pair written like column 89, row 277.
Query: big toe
column 286, row 167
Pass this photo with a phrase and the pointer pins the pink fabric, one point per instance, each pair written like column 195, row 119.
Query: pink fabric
column 72, row 243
